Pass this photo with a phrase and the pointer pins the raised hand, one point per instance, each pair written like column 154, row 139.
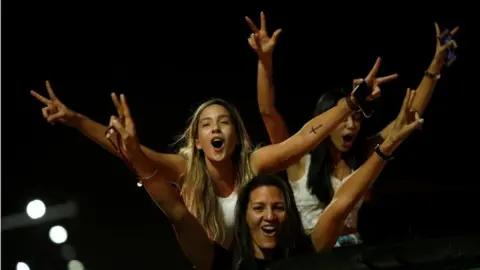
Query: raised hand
column 259, row 40
column 123, row 128
column 407, row 120
column 441, row 50
column 373, row 82
column 54, row 110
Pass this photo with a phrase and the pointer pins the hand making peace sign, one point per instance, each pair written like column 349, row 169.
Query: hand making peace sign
column 259, row 40
column 123, row 127
column 55, row 110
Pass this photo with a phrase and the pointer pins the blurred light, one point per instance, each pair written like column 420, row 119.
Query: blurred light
column 36, row 209
column 139, row 184
column 75, row 265
column 58, row 234
column 68, row 252
column 22, row 266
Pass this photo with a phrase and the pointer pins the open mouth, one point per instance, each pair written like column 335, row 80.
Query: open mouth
column 348, row 138
column 218, row 143
column 269, row 230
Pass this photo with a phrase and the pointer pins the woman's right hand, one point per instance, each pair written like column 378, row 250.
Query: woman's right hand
column 373, row 82
column 55, row 111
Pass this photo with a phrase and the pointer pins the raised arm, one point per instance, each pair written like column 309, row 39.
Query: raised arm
column 330, row 223
column 55, row 111
column 263, row 45
column 430, row 78
column 278, row 157
column 191, row 236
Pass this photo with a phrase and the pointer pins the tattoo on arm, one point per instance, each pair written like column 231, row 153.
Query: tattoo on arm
column 315, row 128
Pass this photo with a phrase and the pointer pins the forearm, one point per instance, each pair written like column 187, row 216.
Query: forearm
column 272, row 119
column 318, row 128
column 265, row 91
column 190, row 234
column 277, row 157
column 172, row 166
column 331, row 222
column 425, row 88
column 423, row 93
column 93, row 130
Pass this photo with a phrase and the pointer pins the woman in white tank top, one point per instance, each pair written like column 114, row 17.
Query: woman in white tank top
column 319, row 174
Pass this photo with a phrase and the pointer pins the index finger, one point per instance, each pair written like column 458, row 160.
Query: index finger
column 437, row 29
column 117, row 104
column 126, row 110
column 40, row 98
column 387, row 78
column 263, row 22
column 50, row 90
column 455, row 30
column 375, row 68
column 252, row 25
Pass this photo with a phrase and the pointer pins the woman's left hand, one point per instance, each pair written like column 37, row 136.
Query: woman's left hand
column 441, row 50
column 124, row 127
column 407, row 120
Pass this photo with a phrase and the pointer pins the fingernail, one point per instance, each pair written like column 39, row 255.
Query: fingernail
column 421, row 121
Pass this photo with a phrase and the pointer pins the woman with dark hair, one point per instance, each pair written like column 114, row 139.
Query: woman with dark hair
column 319, row 174
column 267, row 224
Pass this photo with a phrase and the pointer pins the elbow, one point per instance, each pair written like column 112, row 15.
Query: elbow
column 341, row 207
column 267, row 111
column 177, row 214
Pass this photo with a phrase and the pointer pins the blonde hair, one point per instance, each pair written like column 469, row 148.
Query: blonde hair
column 196, row 188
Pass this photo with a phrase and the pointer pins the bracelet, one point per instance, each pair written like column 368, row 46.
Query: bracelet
column 431, row 75
column 352, row 105
column 139, row 184
column 382, row 155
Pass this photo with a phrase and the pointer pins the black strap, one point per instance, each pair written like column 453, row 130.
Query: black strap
column 381, row 154
column 354, row 107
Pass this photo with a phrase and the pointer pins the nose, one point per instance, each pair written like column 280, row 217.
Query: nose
column 215, row 128
column 349, row 123
column 269, row 215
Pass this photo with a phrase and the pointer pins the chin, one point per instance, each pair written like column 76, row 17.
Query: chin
column 217, row 157
column 269, row 245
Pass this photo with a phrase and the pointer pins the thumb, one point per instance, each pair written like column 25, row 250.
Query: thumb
column 417, row 124
column 275, row 35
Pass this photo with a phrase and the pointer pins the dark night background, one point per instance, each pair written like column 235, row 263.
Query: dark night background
column 168, row 59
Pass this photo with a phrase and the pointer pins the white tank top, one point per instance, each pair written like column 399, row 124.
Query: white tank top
column 308, row 204
column 227, row 214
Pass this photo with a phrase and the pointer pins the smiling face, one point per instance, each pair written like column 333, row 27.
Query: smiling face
column 216, row 135
column 265, row 216
column 345, row 133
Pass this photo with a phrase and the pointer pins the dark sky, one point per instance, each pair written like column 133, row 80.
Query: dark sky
column 167, row 60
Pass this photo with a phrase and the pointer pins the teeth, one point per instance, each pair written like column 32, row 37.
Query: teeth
column 269, row 228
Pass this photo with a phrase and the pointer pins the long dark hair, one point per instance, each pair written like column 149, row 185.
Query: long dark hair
column 292, row 237
column 321, row 163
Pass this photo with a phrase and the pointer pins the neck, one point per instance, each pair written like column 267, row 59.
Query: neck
column 336, row 156
column 263, row 254
column 222, row 175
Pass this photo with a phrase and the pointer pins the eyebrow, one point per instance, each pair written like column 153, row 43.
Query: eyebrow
column 210, row 118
